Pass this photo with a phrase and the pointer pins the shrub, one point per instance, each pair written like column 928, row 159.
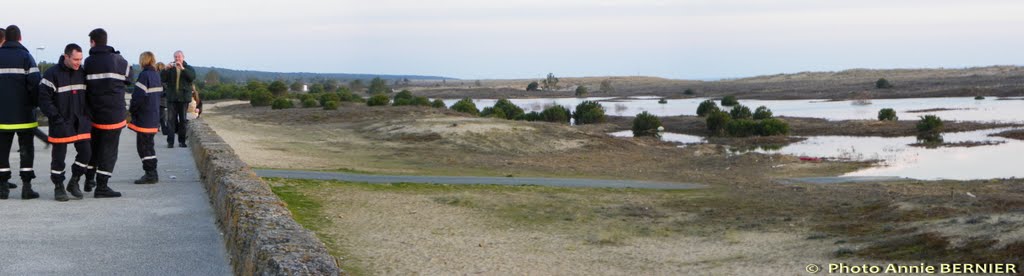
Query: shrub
column 348, row 96
column 492, row 112
column 378, row 99
column 533, row 86
column 508, row 108
column 740, row 128
column 716, row 122
column 730, row 101
column 308, row 103
column 689, row 92
column 581, row 91
column 331, row 105
column 740, row 112
column 646, row 124
column 555, row 114
column 929, row 129
column 329, row 97
column 532, row 116
column 663, row 101
column 979, row 97
column 887, row 114
column 466, row 105
column 771, row 127
column 706, row 108
column 261, row 98
column 762, row 113
column 420, row 101
column 282, row 103
column 589, row 112
column 438, row 103
column 883, row 84
column 403, row 98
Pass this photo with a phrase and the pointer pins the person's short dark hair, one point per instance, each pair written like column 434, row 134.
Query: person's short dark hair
column 2, row 31
column 72, row 48
column 12, row 33
column 99, row 36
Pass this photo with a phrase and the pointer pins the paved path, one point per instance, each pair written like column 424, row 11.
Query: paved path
column 162, row 229
column 469, row 180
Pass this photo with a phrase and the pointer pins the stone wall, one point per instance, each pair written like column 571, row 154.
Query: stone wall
column 262, row 237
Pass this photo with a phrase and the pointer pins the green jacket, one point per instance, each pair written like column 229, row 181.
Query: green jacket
column 178, row 90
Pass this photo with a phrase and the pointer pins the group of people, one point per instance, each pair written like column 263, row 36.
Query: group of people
column 85, row 106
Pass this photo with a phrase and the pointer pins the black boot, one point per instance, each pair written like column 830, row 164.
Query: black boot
column 149, row 178
column 11, row 185
column 104, row 191
column 73, row 188
column 26, row 190
column 58, row 190
column 5, row 191
column 89, row 184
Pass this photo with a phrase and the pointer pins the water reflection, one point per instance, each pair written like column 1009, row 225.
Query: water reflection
column 962, row 108
column 900, row 159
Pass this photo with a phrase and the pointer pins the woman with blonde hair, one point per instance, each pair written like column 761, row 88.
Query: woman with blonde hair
column 144, row 109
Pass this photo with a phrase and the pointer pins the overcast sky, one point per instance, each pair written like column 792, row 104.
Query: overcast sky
column 698, row 39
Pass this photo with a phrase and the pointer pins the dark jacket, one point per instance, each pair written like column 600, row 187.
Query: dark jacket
column 106, row 74
column 19, row 80
column 62, row 94
column 145, row 104
column 179, row 90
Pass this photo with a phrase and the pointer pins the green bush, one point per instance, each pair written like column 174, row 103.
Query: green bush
column 979, row 97
column 532, row 116
column 420, row 101
column 378, row 99
column 887, row 114
column 492, row 112
column 581, row 91
column 510, row 110
column 466, row 105
column 282, row 103
column 730, row 101
column 741, row 128
column 689, row 92
column 555, row 114
column 438, row 103
column 403, row 98
column 883, row 84
column 329, row 97
column 740, row 112
column 771, row 127
column 331, row 105
column 663, row 101
column 589, row 112
column 706, row 107
column 716, row 122
column 929, row 129
column 308, row 103
column 762, row 113
column 533, row 86
column 261, row 98
column 646, row 124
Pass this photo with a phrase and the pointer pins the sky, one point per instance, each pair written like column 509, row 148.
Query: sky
column 485, row 39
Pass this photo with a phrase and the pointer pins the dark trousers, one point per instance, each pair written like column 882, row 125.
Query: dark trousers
column 163, row 120
column 25, row 148
column 177, row 121
column 82, row 158
column 104, row 154
column 144, row 144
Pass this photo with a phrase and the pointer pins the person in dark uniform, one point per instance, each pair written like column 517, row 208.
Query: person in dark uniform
column 19, row 80
column 144, row 110
column 62, row 94
column 38, row 133
column 107, row 76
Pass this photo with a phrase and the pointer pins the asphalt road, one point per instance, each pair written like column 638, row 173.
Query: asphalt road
column 471, row 180
column 163, row 229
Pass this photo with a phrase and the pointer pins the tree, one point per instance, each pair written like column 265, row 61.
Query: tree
column 581, row 91
column 689, row 92
column 378, row 99
column 929, row 129
column 405, row 81
column 556, row 114
column 255, row 85
column 356, row 85
column 730, row 101
column 716, row 122
column 278, row 88
column 466, row 105
column 532, row 86
column 403, row 98
column 378, row 85
column 510, row 110
column 887, row 114
column 706, row 107
column 331, row 85
column 883, row 84
column 551, row 82
column 316, row 88
column 646, row 124
column 740, row 112
column 296, row 86
column 762, row 112
column 606, row 86
column 589, row 112
column 212, row 78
